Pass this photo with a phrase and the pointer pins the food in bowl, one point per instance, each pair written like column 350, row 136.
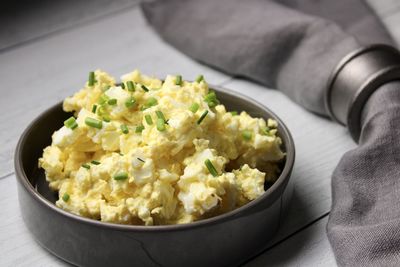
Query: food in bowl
column 148, row 152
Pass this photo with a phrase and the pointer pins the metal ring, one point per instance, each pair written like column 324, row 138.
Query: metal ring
column 355, row 78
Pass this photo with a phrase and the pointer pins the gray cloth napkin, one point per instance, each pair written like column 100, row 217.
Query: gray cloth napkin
column 364, row 224
column 293, row 46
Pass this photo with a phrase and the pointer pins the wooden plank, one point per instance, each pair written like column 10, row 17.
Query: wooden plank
column 16, row 244
column 30, row 20
column 307, row 248
column 34, row 77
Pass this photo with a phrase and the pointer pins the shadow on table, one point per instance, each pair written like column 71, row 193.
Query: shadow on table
column 294, row 235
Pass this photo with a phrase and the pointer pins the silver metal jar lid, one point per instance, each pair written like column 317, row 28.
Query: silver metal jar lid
column 355, row 78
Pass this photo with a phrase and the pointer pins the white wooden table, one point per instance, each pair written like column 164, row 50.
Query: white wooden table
column 44, row 60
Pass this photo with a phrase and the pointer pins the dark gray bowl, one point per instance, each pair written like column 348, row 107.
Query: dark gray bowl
column 224, row 240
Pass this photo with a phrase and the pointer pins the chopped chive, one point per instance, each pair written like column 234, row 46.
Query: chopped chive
column 86, row 166
column 112, row 101
column 65, row 197
column 151, row 102
column 105, row 88
column 139, row 129
column 194, row 107
column 91, row 78
column 131, row 86
column 101, row 110
column 121, row 154
column 211, row 99
column 202, row 117
column 148, row 119
column 122, row 85
column 266, row 130
column 144, row 88
column 199, row 78
column 130, row 102
column 234, row 113
column 71, row 123
column 103, row 99
column 93, row 123
column 211, row 167
column 124, row 129
column 120, row 176
column 106, row 118
column 246, row 134
column 160, row 115
column 94, row 108
column 178, row 80
column 95, row 162
column 139, row 159
column 160, row 125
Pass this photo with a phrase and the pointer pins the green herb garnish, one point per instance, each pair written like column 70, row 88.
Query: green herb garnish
column 91, row 80
column 131, row 86
column 95, row 162
column 246, row 134
column 144, row 88
column 65, row 197
column 149, row 103
column 93, row 123
column 160, row 125
column 120, row 176
column 105, row 88
column 86, row 166
column 211, row 99
column 130, row 102
column 71, row 123
column 160, row 115
column 211, row 167
column 139, row 129
column 202, row 117
column 112, row 101
column 199, row 78
column 266, row 131
column 148, row 119
column 124, row 129
column 103, row 99
column 178, row 80
column 194, row 107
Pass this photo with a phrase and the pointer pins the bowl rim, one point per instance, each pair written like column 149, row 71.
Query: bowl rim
column 279, row 183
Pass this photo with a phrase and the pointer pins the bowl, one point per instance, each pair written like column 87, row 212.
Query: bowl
column 225, row 240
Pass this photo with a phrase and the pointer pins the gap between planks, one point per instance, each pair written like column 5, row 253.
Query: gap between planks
column 289, row 236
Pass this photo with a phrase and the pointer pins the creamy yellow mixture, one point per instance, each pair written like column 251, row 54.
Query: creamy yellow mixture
column 150, row 152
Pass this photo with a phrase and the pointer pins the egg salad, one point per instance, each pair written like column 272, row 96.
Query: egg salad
column 150, row 152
